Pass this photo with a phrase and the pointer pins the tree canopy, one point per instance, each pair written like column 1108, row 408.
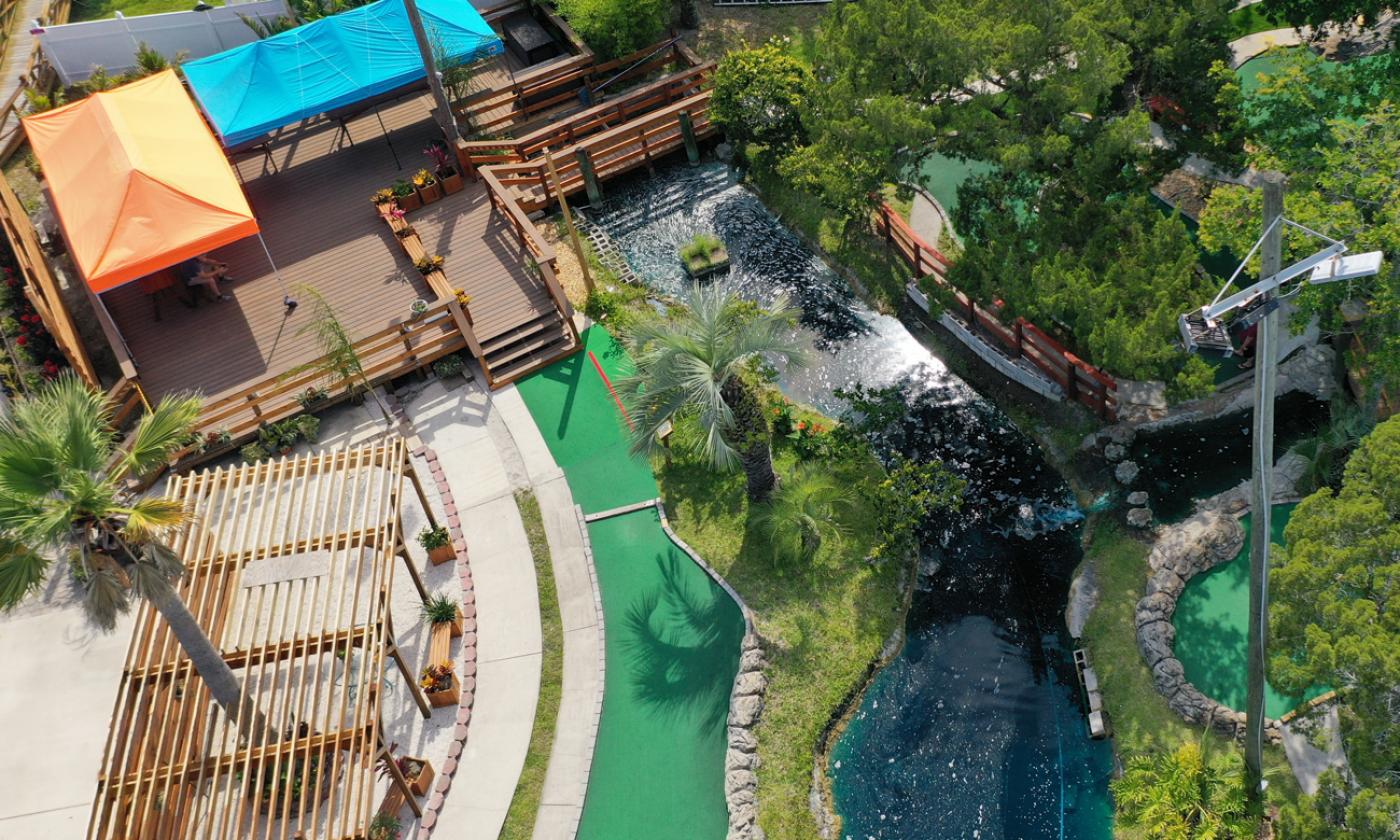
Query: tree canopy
column 1338, row 142
column 1334, row 621
column 614, row 28
column 759, row 94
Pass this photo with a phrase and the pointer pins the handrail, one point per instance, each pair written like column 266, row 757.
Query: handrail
column 525, row 229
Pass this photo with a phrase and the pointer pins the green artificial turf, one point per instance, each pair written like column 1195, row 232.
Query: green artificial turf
column 584, row 428
column 671, row 634
column 1212, row 624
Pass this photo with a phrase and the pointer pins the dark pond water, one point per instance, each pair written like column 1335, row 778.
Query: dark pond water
column 1182, row 465
column 974, row 731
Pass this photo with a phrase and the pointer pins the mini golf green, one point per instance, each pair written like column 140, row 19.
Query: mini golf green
column 942, row 175
column 671, row 634
column 1212, row 624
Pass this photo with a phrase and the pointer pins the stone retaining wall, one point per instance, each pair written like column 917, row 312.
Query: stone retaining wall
column 1181, row 552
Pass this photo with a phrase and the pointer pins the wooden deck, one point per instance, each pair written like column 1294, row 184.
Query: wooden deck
column 322, row 230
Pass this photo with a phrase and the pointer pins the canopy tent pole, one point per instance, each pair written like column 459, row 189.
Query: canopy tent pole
column 390, row 143
column 287, row 299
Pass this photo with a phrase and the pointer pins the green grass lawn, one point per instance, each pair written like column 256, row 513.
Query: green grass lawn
column 822, row 625
column 1252, row 19
column 1142, row 722
column 99, row 9
column 520, row 819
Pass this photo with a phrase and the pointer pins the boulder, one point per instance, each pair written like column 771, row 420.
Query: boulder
column 1126, row 472
column 1190, row 703
column 742, row 796
column 1168, row 676
column 1140, row 517
column 724, row 152
column 1121, row 435
column 1137, row 498
column 742, row 816
column 1115, row 452
column 752, row 682
column 744, row 711
column 735, row 780
column 737, row 760
column 1155, row 641
column 1166, row 582
column 752, row 660
column 742, row 739
column 1156, row 607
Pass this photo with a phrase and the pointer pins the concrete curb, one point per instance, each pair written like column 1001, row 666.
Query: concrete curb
column 592, row 736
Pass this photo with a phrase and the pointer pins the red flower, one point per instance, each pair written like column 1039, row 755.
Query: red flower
column 801, row 424
column 22, row 340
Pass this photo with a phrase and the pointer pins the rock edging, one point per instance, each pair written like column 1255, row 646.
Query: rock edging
column 1181, row 552
column 746, row 699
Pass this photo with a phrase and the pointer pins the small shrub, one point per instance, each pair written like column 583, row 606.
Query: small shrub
column 428, row 264
column 309, row 426
column 423, row 178
column 440, row 610
column 448, row 366
column 614, row 28
column 384, row 827
column 431, row 538
column 312, row 397
column 252, row 453
column 1196, row 379
column 801, row 516
column 401, row 188
column 436, row 678
column 698, row 251
column 382, row 196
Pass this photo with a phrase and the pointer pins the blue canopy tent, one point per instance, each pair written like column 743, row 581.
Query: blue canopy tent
column 329, row 64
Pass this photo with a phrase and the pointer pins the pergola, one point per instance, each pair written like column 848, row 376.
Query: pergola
column 289, row 570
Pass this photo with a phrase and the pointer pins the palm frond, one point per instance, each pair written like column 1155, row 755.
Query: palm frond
column 22, row 571
column 80, row 419
column 105, row 599
column 151, row 518
column 159, row 433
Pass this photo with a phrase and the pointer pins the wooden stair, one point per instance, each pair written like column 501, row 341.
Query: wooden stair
column 527, row 347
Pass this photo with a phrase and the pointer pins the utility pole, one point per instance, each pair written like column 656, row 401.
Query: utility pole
column 443, row 114
column 568, row 219
column 1260, row 532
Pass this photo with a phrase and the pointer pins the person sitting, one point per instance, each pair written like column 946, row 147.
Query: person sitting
column 204, row 272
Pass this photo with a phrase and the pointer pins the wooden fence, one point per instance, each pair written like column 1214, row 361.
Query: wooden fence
column 599, row 118
column 612, row 152
column 37, row 75
column 1081, row 382
column 532, row 95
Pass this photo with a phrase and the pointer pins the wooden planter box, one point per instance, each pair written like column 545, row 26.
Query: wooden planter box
column 383, row 208
column 440, row 642
column 448, row 697
column 409, row 203
column 442, row 554
column 430, row 193
column 423, row 782
column 699, row 269
column 452, row 183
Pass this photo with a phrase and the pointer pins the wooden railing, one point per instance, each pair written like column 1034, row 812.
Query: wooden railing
column 534, row 93
column 612, row 152
column 1080, row 381
column 599, row 118
column 393, row 351
column 532, row 244
column 37, row 75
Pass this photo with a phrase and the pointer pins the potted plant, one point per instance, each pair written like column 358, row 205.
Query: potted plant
column 405, row 232
column 704, row 256
column 217, row 440
column 312, row 398
column 252, row 453
column 384, row 827
column 443, row 610
column 428, row 264
column 446, row 172
column 383, row 200
column 426, row 184
column 437, row 543
column 418, row 772
column 441, row 685
column 448, row 367
column 405, row 196
column 417, row 308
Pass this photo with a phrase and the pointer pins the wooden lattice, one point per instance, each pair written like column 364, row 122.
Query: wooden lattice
column 289, row 570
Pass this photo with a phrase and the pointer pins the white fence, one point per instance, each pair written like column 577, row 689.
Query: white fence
column 74, row 49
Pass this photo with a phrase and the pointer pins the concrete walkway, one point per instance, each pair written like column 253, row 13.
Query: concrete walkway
column 1309, row 762
column 928, row 218
column 489, row 447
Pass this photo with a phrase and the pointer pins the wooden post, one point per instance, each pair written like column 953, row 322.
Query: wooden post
column 692, row 149
column 1020, row 337
column 590, row 178
column 569, row 218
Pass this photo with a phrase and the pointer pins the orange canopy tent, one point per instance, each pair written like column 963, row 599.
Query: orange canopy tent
column 138, row 181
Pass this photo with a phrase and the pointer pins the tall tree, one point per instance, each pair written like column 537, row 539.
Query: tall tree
column 64, row 490
column 1335, row 618
column 759, row 94
column 695, row 364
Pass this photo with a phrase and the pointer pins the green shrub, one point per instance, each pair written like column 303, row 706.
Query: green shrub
column 252, row 453
column 431, row 538
column 801, row 515
column 439, row 610
column 448, row 366
column 758, row 96
column 614, row 28
column 1196, row 379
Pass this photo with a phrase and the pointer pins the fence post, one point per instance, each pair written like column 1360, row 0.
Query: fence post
column 1071, row 386
column 590, row 178
column 1019, row 335
column 692, row 149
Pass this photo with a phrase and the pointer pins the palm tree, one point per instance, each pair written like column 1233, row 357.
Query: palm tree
column 800, row 516
column 1184, row 795
column 63, row 490
column 695, row 362
column 339, row 363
